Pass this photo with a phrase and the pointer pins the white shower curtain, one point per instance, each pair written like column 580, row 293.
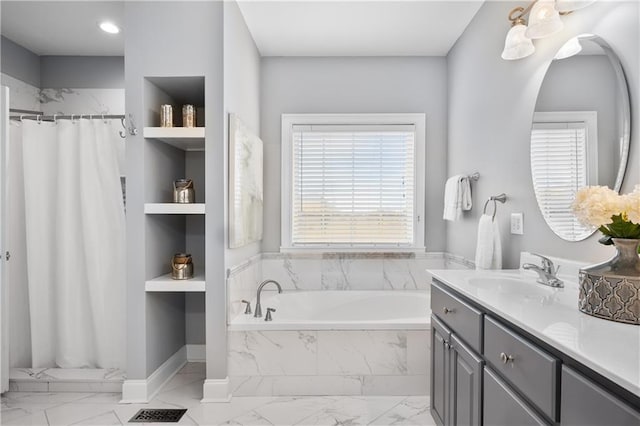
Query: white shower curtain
column 75, row 233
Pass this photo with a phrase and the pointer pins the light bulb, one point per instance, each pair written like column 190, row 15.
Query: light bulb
column 517, row 45
column 544, row 20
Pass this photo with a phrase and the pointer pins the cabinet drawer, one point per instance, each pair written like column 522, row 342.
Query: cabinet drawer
column 462, row 318
column 532, row 371
column 585, row 403
column 502, row 407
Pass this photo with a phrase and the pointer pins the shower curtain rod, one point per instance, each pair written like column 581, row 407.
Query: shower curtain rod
column 42, row 117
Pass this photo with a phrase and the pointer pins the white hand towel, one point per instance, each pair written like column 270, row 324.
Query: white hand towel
column 464, row 187
column 457, row 197
column 489, row 247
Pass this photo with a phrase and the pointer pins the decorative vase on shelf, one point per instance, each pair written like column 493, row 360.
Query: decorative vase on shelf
column 611, row 290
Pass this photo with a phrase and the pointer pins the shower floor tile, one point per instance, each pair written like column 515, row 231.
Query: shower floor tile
column 185, row 391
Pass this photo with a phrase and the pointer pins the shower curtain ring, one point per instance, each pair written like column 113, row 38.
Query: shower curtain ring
column 103, row 119
column 55, row 119
column 22, row 118
column 39, row 119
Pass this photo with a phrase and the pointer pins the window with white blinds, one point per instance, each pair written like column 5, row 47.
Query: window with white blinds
column 560, row 166
column 353, row 185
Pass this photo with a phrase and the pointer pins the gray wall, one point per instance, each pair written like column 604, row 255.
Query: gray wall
column 56, row 72
column 587, row 83
column 19, row 62
column 355, row 85
column 241, row 96
column 148, row 23
column 82, row 72
column 491, row 104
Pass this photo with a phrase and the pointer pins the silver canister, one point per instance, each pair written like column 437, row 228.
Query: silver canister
column 166, row 115
column 181, row 266
column 188, row 116
column 183, row 191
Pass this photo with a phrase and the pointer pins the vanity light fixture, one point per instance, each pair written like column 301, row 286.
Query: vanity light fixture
column 109, row 27
column 517, row 45
column 570, row 48
column 544, row 20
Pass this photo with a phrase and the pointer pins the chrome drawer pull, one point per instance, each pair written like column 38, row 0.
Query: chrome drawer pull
column 505, row 358
column 446, row 310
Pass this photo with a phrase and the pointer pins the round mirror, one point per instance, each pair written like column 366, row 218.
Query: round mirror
column 580, row 130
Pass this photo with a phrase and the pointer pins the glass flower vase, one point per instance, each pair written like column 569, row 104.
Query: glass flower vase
column 611, row 290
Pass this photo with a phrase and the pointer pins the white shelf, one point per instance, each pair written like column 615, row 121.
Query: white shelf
column 173, row 208
column 184, row 138
column 165, row 283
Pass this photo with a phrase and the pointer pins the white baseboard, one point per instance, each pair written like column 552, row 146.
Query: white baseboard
column 196, row 353
column 143, row 391
column 216, row 390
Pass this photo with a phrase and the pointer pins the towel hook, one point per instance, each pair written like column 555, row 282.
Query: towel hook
column 122, row 133
column 495, row 198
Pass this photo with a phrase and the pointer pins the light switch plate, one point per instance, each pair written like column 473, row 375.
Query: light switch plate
column 517, row 223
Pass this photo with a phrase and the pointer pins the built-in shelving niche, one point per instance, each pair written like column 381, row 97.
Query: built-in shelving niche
column 174, row 153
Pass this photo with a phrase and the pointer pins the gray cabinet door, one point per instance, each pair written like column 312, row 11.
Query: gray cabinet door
column 585, row 403
column 528, row 368
column 462, row 318
column 465, row 371
column 440, row 336
column 502, row 407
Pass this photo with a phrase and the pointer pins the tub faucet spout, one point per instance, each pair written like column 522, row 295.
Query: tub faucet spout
column 258, row 312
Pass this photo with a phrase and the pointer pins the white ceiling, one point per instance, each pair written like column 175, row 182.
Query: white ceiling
column 357, row 28
column 63, row 27
column 280, row 28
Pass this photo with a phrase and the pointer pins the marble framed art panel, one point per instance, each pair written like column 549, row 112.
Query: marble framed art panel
column 245, row 184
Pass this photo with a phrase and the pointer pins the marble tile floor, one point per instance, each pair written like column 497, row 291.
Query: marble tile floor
column 185, row 391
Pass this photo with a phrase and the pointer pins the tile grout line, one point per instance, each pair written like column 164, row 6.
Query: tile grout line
column 46, row 417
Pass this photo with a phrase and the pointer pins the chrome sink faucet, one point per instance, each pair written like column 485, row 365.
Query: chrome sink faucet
column 547, row 272
column 258, row 313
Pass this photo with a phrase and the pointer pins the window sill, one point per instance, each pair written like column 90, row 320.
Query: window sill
column 322, row 250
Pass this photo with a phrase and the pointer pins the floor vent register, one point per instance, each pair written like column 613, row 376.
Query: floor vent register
column 158, row 415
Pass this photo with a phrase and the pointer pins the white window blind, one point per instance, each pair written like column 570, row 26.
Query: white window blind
column 559, row 168
column 353, row 185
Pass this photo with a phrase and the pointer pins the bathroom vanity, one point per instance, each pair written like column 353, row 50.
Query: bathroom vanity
column 508, row 351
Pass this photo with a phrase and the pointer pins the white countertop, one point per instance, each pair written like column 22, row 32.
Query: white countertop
column 551, row 314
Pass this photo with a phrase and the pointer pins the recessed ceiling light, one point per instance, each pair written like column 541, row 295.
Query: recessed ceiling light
column 109, row 27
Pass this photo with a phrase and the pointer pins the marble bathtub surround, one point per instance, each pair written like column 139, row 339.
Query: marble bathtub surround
column 335, row 271
column 242, row 284
column 375, row 362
